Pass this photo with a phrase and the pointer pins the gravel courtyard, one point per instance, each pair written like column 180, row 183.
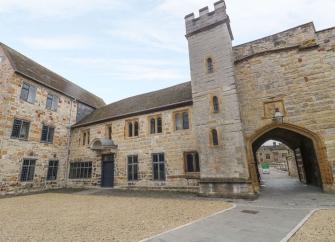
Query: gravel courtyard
column 111, row 216
column 319, row 227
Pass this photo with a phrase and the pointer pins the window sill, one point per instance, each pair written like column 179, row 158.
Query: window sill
column 19, row 139
column 192, row 175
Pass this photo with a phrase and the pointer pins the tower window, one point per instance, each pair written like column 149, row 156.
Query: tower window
column 210, row 66
column 215, row 104
column 215, row 138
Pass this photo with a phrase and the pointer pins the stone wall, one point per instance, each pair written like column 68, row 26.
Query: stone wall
column 13, row 151
column 171, row 142
column 301, row 79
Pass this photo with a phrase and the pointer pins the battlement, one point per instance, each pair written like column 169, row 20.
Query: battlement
column 207, row 20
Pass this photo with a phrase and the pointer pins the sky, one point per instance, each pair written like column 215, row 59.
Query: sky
column 121, row 48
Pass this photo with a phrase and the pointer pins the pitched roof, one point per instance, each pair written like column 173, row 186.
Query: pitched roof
column 32, row 70
column 171, row 97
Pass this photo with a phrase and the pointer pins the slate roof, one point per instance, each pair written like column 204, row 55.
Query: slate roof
column 171, row 97
column 32, row 70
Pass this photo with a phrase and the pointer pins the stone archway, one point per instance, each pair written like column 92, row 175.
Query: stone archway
column 318, row 167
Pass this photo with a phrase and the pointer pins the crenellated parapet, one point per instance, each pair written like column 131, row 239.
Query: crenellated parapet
column 207, row 19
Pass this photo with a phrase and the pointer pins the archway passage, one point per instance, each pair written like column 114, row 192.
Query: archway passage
column 307, row 147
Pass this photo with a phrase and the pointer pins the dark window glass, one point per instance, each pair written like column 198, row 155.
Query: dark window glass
column 52, row 170
column 28, row 93
column 130, row 129
column 215, row 139
column 84, row 138
column 215, row 104
column 109, row 132
column 210, row 66
column 152, row 126
column 158, row 167
column 192, row 162
column 25, row 92
column 20, row 129
column 80, row 170
column 136, row 128
column 49, row 101
column 132, row 168
column 88, row 137
column 159, row 125
column 28, row 170
column 47, row 134
column 185, row 120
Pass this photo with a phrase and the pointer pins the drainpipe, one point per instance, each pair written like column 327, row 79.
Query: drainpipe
column 68, row 143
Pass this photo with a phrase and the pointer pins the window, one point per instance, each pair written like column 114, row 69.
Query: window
column 52, row 102
column 20, row 129
column 155, row 125
column 215, row 139
column 28, row 170
column 86, row 137
column 210, row 66
column 109, row 131
column 284, row 155
column 267, row 156
column 47, row 135
column 52, row 170
column 132, row 168
column 215, row 104
column 28, row 93
column 80, row 170
column 133, row 128
column 182, row 120
column 191, row 162
column 158, row 167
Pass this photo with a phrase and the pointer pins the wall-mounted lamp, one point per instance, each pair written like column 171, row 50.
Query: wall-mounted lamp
column 278, row 116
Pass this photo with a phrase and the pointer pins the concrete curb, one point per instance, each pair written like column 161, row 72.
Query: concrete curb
column 188, row 224
column 299, row 225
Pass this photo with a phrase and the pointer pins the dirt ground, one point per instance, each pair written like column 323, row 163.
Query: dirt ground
column 99, row 217
column 319, row 227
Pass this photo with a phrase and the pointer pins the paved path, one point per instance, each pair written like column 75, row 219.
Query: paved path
column 283, row 203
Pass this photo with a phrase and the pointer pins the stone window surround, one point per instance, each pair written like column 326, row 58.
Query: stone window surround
column 84, row 139
column 187, row 173
column 218, row 130
column 211, row 102
column 53, row 166
column 54, row 102
column 27, row 180
column 48, row 133
column 189, row 120
column 23, row 120
column 156, row 116
column 133, row 163
column 31, row 92
column 209, row 69
column 126, row 128
column 159, row 162
column 109, row 130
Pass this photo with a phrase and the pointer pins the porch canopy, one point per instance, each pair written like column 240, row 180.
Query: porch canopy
column 102, row 144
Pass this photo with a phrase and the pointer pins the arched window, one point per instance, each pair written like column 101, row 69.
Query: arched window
column 152, row 126
column 159, row 125
column 210, row 66
column 215, row 104
column 130, row 129
column 215, row 139
column 136, row 128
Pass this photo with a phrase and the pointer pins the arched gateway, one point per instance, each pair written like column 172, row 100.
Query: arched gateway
column 308, row 145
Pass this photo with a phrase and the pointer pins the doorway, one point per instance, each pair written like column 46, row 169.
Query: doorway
column 107, row 173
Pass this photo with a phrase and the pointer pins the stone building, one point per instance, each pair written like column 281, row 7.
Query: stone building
column 278, row 156
column 37, row 108
column 200, row 135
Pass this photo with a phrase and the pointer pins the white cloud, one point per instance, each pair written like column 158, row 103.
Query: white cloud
column 131, row 69
column 59, row 8
column 57, row 42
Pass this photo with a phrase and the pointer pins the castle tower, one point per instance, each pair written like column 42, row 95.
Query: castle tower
column 216, row 114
